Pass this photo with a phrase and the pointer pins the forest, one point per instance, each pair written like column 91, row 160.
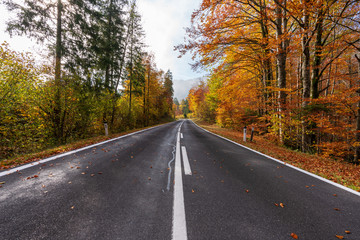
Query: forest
column 290, row 69
column 97, row 71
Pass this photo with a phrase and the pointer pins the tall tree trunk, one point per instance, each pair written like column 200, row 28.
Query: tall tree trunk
column 122, row 63
column 306, row 140
column 58, row 125
column 130, row 82
column 144, row 103
column 108, row 46
column 357, row 136
column 315, row 79
column 281, row 62
column 267, row 71
column 148, row 98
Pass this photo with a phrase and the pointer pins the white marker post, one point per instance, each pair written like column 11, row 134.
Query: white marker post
column 245, row 134
column 106, row 128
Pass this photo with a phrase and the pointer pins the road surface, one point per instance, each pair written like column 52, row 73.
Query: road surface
column 174, row 181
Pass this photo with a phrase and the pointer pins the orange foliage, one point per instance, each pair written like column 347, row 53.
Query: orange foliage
column 313, row 107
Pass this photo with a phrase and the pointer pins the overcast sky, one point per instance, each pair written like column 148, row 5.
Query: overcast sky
column 163, row 21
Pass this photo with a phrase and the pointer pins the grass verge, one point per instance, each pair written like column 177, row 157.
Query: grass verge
column 337, row 171
column 33, row 157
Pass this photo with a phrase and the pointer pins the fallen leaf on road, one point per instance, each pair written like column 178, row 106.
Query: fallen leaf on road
column 2, row 182
column 72, row 207
column 83, row 173
column 282, row 205
column 247, row 191
column 307, row 186
column 43, row 186
column 347, row 232
column 35, row 176
column 222, row 181
column 77, row 167
column 339, row 236
column 335, row 195
column 293, row 235
column 192, row 190
column 92, row 174
column 336, row 209
column 149, row 178
column 150, row 166
column 99, row 172
column 69, row 182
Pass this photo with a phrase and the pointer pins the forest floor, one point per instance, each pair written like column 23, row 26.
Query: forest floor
column 337, row 171
column 33, row 157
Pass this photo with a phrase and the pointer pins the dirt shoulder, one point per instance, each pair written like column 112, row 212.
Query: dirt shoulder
column 33, row 157
column 337, row 171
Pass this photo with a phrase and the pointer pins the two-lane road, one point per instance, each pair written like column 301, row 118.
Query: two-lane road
column 175, row 181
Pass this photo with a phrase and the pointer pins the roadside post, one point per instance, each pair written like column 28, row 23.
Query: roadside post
column 252, row 134
column 245, row 134
column 106, row 128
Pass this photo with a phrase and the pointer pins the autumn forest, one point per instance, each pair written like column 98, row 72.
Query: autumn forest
column 97, row 73
column 290, row 69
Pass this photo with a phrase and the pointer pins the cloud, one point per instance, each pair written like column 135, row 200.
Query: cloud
column 182, row 87
column 164, row 22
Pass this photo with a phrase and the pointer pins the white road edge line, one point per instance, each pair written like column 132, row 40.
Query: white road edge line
column 179, row 231
column 182, row 136
column 287, row 164
column 187, row 168
column 12, row 170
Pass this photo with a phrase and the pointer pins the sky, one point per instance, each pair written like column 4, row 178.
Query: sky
column 164, row 23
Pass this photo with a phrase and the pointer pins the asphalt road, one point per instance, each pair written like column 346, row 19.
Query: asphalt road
column 141, row 187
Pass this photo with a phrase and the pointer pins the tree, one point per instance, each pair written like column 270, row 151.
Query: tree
column 169, row 91
column 35, row 20
column 278, row 64
column 135, row 69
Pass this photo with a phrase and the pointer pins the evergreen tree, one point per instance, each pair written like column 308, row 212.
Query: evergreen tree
column 135, row 69
column 168, row 88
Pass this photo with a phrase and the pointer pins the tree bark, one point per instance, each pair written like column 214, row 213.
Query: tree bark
column 58, row 126
column 357, row 135
column 281, row 62
column 306, row 140
column 267, row 68
column 317, row 59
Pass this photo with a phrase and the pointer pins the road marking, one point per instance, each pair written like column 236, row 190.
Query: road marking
column 286, row 164
column 187, row 168
column 182, row 136
column 8, row 172
column 179, row 231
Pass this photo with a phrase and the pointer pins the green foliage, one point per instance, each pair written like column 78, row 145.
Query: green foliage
column 21, row 128
column 107, row 76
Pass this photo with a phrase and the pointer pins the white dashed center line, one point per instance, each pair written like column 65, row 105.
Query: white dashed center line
column 187, row 168
column 179, row 231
